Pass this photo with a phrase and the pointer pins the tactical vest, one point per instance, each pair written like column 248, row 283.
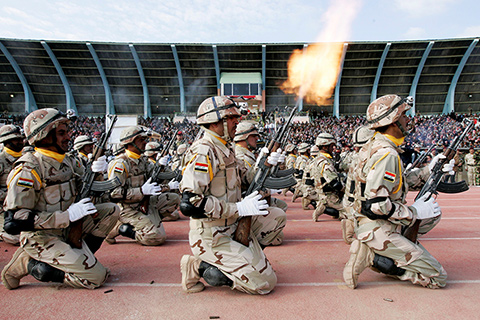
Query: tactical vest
column 136, row 173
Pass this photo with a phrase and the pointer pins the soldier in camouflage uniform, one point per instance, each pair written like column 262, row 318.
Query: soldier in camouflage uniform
column 12, row 138
column 309, row 193
column 178, row 162
column 169, row 200
column 82, row 146
column 299, row 166
column 40, row 203
column 133, row 171
column 328, row 184
column 211, row 189
column 246, row 137
column 360, row 136
column 290, row 162
column 380, row 210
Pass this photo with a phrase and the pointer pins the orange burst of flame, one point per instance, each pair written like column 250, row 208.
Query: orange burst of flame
column 313, row 72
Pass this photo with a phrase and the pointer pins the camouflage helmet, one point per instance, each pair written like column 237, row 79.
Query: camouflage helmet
column 129, row 134
column 324, row 139
column 314, row 150
column 182, row 148
column 290, row 147
column 9, row 132
column 40, row 122
column 387, row 110
column 117, row 149
column 151, row 148
column 303, row 147
column 214, row 109
column 81, row 141
column 244, row 130
column 361, row 135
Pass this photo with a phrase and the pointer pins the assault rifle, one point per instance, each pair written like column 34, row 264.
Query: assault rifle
column 420, row 159
column 92, row 185
column 159, row 174
column 434, row 182
column 263, row 181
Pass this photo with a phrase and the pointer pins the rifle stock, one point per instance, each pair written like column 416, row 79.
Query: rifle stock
column 74, row 237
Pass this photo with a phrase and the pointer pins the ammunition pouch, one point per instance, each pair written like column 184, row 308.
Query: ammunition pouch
column 15, row 226
column 298, row 174
column 310, row 182
column 367, row 209
column 190, row 210
column 333, row 186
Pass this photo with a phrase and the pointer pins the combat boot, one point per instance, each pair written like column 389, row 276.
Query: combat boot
column 348, row 230
column 361, row 257
column 295, row 195
column 110, row 239
column 16, row 269
column 189, row 266
column 305, row 203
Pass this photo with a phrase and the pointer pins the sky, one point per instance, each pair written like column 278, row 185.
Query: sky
column 235, row 21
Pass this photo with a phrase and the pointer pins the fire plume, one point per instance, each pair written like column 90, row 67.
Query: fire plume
column 313, row 71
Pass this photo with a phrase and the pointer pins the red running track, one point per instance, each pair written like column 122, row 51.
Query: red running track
column 145, row 281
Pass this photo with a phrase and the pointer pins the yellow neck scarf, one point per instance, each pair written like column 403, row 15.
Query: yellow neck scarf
column 221, row 140
column 132, row 154
column 326, row 155
column 12, row 153
column 398, row 141
column 51, row 154
column 83, row 154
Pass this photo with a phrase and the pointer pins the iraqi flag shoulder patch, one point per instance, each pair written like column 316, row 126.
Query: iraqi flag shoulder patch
column 202, row 167
column 118, row 169
column 389, row 176
column 25, row 183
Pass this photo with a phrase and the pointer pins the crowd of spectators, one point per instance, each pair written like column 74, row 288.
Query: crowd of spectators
column 438, row 129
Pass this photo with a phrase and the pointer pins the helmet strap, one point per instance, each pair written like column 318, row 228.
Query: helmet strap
column 226, row 136
column 404, row 131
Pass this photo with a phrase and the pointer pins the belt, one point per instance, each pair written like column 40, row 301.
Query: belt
column 200, row 223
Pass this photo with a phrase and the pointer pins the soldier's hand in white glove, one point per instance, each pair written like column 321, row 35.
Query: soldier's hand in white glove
column 252, row 205
column 162, row 160
column 80, row 209
column 274, row 157
column 150, row 188
column 100, row 165
column 427, row 208
column 173, row 185
column 448, row 167
column 408, row 167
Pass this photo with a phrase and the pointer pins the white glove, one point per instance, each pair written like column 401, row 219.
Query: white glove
column 100, row 165
column 448, row 167
column 273, row 191
column 408, row 166
column 282, row 157
column 173, row 185
column 274, row 157
column 427, row 208
column 80, row 209
column 151, row 189
column 252, row 205
column 163, row 161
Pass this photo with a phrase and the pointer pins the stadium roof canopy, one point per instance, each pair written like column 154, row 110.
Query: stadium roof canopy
column 160, row 79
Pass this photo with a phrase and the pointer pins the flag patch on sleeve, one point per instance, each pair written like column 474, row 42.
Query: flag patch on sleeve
column 202, row 167
column 389, row 176
column 118, row 169
column 25, row 183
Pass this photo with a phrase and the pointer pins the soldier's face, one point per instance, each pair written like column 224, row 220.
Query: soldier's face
column 88, row 149
column 232, row 123
column 252, row 141
column 62, row 135
column 140, row 142
column 16, row 144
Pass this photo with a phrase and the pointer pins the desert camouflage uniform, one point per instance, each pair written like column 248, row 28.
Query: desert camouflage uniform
column 324, row 172
column 133, row 173
column 380, row 171
column 309, row 193
column 470, row 162
column 299, row 167
column 42, row 185
column 6, row 164
column 214, row 173
column 277, row 217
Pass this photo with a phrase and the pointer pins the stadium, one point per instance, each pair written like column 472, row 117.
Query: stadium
column 158, row 83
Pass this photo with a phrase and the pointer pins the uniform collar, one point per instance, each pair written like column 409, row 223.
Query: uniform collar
column 51, row 154
column 132, row 155
column 326, row 155
column 12, row 153
column 218, row 141
column 397, row 141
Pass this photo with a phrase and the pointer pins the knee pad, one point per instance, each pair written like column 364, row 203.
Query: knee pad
column 94, row 243
column 126, row 230
column 387, row 266
column 331, row 212
column 44, row 272
column 213, row 276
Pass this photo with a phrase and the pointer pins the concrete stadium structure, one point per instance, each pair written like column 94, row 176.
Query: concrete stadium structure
column 154, row 79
